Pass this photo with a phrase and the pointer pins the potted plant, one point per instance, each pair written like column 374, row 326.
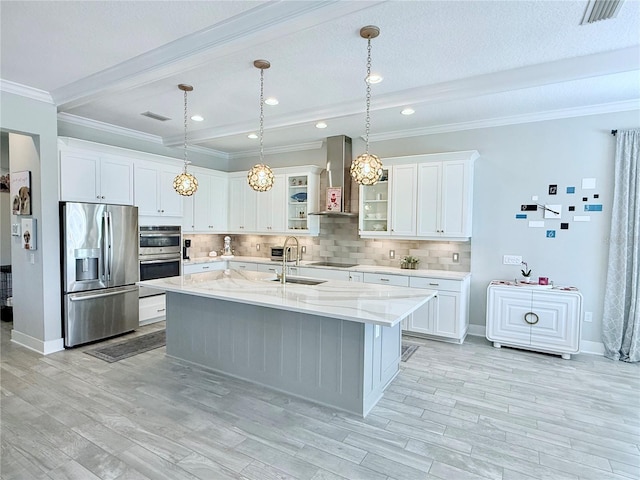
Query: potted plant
column 409, row 262
column 526, row 272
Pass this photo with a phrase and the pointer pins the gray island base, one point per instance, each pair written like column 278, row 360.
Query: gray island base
column 281, row 336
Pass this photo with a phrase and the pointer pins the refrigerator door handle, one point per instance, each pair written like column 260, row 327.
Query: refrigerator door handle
column 105, row 261
column 109, row 222
column 77, row 297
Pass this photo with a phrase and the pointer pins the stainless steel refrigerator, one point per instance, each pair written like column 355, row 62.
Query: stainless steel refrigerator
column 99, row 270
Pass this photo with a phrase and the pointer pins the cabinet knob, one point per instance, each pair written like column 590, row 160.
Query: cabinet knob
column 158, row 211
column 162, row 211
column 97, row 196
column 103, row 197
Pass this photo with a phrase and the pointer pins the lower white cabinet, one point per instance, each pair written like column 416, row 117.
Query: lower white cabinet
column 535, row 318
column 233, row 265
column 152, row 309
column 323, row 273
column 447, row 314
column 275, row 267
column 384, row 279
column 203, row 267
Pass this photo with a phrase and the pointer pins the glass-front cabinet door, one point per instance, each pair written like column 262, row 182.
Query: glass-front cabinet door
column 374, row 206
column 297, row 203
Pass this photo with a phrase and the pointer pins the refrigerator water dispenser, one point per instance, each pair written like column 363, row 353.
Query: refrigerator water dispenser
column 87, row 264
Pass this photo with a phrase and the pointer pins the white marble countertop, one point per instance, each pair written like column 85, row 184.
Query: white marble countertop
column 358, row 302
column 443, row 274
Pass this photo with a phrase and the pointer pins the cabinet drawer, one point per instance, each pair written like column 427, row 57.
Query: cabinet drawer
column 243, row 266
column 269, row 268
column 152, row 308
column 396, row 280
column 436, row 284
column 202, row 267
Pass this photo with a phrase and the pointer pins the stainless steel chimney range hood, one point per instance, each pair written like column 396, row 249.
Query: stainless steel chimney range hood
column 338, row 164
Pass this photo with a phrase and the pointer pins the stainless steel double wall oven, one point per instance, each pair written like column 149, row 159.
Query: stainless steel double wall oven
column 160, row 254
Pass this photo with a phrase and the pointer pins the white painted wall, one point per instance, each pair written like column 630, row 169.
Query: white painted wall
column 36, row 287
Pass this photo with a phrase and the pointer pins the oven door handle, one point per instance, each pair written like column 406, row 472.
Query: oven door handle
column 156, row 235
column 163, row 260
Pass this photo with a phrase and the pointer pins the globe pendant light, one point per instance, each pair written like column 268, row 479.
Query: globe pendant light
column 185, row 183
column 260, row 176
column 366, row 169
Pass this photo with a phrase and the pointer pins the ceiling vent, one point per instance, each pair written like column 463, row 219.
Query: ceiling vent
column 601, row 10
column 155, row 116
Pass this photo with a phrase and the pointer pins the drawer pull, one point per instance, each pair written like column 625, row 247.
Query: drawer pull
column 533, row 316
column 384, row 279
column 161, row 310
column 206, row 268
column 433, row 283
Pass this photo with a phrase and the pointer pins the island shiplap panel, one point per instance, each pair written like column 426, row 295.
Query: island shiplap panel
column 314, row 357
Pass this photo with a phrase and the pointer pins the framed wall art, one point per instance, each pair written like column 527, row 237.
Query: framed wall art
column 21, row 193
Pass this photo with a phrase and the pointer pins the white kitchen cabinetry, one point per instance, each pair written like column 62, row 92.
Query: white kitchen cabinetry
column 243, row 202
column 535, row 318
column 384, row 279
column 425, row 197
column 323, row 273
column 447, row 188
column 203, row 267
column 152, row 309
column 96, row 178
column 446, row 315
column 153, row 193
column 301, row 199
column 249, row 266
column 274, row 267
column 209, row 203
column 270, row 207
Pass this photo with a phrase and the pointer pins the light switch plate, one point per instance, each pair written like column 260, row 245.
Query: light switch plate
column 511, row 260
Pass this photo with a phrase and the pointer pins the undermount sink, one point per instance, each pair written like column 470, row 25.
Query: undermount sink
column 301, row 281
column 333, row 264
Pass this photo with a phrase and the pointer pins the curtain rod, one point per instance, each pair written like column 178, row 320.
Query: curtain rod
column 613, row 132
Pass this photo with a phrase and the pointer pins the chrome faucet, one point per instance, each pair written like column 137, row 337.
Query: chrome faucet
column 283, row 276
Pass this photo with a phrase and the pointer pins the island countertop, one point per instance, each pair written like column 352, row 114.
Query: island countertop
column 358, row 302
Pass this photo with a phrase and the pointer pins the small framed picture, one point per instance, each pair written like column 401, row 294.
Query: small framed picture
column 334, row 199
column 29, row 233
column 21, row 193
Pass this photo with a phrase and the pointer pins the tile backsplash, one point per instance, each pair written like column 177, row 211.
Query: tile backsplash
column 339, row 242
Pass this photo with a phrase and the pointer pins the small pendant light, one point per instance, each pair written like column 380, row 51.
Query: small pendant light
column 260, row 176
column 185, row 183
column 366, row 169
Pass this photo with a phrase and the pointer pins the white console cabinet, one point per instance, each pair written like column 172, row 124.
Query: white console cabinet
column 534, row 317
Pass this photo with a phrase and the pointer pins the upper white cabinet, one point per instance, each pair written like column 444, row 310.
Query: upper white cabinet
column 270, row 207
column 206, row 210
column 281, row 210
column 154, row 193
column 95, row 177
column 421, row 196
column 243, row 201
column 445, row 196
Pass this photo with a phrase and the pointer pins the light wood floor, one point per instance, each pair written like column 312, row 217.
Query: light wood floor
column 454, row 412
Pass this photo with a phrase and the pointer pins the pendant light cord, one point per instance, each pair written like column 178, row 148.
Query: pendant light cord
column 367, row 80
column 186, row 159
column 261, row 115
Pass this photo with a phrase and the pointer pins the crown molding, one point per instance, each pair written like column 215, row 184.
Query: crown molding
column 276, row 150
column 108, row 128
column 135, row 134
column 623, row 106
column 25, row 91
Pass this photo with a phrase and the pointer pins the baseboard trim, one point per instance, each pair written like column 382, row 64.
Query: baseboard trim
column 586, row 346
column 592, row 348
column 477, row 330
column 37, row 345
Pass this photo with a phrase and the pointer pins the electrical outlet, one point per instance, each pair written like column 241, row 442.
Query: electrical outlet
column 588, row 317
column 392, row 254
column 512, row 259
column 455, row 257
column 303, row 249
column 257, row 247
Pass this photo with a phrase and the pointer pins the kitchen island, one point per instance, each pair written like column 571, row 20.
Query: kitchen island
column 335, row 343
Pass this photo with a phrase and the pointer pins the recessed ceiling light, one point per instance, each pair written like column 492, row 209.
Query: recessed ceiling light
column 271, row 101
column 252, row 136
column 197, row 118
column 408, row 111
column 321, row 125
column 374, row 78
